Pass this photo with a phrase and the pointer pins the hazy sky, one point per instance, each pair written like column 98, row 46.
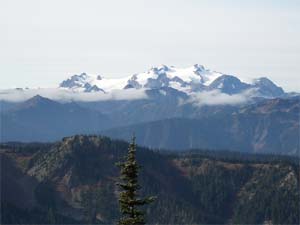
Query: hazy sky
column 44, row 41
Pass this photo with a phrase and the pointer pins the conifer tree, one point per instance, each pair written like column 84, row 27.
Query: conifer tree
column 129, row 200
column 50, row 216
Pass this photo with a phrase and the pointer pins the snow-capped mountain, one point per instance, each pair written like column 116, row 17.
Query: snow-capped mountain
column 266, row 87
column 188, row 80
column 229, row 84
column 88, row 83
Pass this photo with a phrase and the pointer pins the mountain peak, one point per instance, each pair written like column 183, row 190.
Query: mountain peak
column 262, row 80
column 266, row 87
column 160, row 69
column 37, row 101
column 38, row 98
column 229, row 84
column 75, row 81
column 82, row 75
column 82, row 82
column 191, row 79
column 199, row 67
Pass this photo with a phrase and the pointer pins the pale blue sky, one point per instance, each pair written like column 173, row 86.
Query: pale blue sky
column 43, row 42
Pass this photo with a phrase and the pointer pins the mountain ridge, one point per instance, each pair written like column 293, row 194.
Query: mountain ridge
column 188, row 80
column 66, row 175
column 265, row 125
column 43, row 119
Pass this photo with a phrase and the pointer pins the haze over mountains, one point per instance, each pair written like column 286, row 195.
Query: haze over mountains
column 167, row 108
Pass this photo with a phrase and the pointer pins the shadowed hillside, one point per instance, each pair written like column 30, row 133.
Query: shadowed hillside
column 73, row 181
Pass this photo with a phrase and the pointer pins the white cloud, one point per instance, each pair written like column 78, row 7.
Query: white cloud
column 64, row 95
column 215, row 97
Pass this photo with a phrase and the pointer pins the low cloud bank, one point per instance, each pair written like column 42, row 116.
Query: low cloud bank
column 65, row 95
column 200, row 99
column 216, row 97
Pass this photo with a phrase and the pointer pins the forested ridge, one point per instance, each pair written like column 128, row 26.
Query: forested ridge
column 74, row 181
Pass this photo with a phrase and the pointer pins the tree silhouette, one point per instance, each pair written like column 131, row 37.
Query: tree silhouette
column 129, row 200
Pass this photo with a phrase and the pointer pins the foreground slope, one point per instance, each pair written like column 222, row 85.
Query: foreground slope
column 74, row 181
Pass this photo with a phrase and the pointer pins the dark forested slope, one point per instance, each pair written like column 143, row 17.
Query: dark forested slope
column 73, row 181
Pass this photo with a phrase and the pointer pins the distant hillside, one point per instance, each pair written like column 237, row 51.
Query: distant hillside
column 161, row 121
column 268, row 127
column 42, row 119
column 74, row 181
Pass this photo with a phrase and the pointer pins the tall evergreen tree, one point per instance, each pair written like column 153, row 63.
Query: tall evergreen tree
column 50, row 216
column 129, row 200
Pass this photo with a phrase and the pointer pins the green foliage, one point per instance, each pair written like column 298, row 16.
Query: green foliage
column 199, row 187
column 51, row 217
column 89, row 206
column 11, row 214
column 216, row 191
column 273, row 195
column 45, row 194
column 106, row 202
column 129, row 200
column 99, row 200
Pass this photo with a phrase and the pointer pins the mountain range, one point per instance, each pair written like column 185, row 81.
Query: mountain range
column 42, row 119
column 188, row 80
column 166, row 107
column 270, row 126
